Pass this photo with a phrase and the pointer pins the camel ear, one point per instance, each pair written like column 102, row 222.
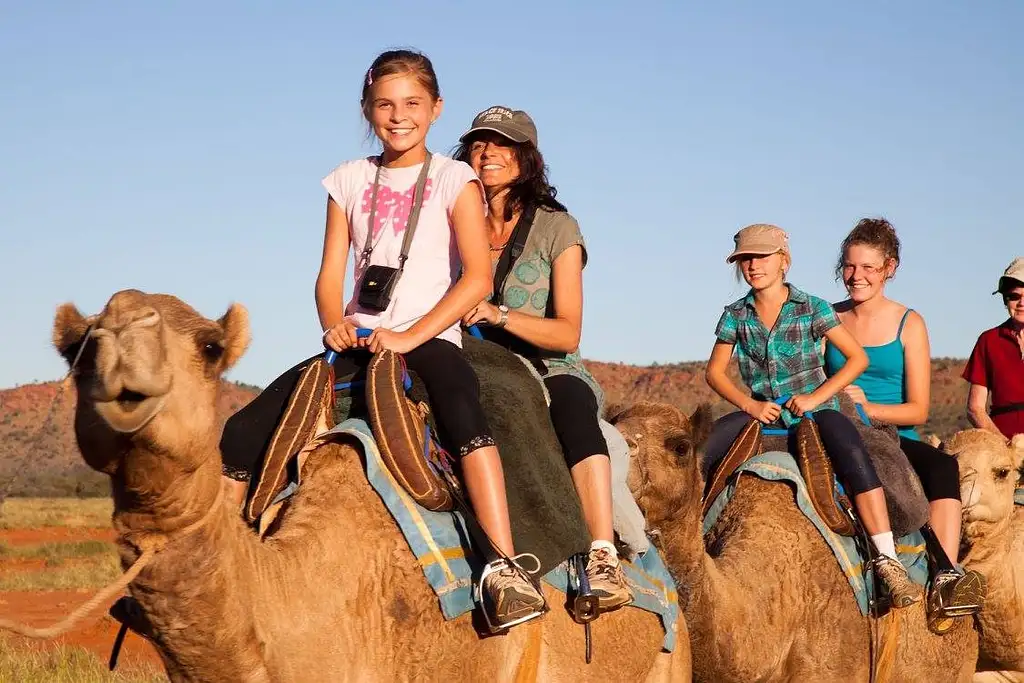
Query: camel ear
column 1017, row 444
column 69, row 328
column 700, row 424
column 237, row 336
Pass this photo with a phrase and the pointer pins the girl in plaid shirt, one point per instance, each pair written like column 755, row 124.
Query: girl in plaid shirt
column 776, row 330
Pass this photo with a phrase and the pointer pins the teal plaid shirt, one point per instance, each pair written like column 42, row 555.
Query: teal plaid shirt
column 787, row 360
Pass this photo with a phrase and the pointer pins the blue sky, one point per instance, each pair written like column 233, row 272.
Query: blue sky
column 180, row 149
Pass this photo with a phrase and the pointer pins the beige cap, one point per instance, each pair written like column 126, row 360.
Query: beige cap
column 759, row 239
column 1013, row 276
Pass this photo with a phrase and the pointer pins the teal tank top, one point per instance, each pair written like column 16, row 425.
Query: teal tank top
column 883, row 381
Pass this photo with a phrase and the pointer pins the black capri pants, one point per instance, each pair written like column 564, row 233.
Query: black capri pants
column 574, row 416
column 841, row 439
column 939, row 472
column 451, row 384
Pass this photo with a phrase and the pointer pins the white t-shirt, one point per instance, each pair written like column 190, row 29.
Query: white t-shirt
column 433, row 264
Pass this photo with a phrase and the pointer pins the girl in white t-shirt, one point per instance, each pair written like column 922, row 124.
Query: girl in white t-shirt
column 400, row 100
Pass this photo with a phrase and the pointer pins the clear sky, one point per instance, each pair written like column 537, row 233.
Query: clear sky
column 180, row 149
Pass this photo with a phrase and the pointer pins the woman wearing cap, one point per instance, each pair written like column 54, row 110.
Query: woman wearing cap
column 996, row 365
column 536, row 310
column 776, row 331
column 895, row 389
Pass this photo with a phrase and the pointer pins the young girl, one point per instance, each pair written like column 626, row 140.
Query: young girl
column 895, row 389
column 370, row 204
column 777, row 330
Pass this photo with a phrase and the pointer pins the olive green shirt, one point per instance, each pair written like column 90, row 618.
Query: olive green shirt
column 527, row 288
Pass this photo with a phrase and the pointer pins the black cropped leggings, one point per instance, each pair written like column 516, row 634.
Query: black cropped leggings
column 450, row 382
column 574, row 416
column 939, row 473
column 842, row 442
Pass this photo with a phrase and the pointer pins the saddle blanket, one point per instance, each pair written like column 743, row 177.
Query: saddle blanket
column 779, row 466
column 436, row 539
column 1018, row 495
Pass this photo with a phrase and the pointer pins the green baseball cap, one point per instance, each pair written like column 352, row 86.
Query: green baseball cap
column 514, row 124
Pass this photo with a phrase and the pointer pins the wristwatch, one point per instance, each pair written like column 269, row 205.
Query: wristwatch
column 503, row 320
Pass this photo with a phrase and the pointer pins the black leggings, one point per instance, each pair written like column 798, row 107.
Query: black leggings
column 451, row 385
column 842, row 443
column 939, row 473
column 574, row 416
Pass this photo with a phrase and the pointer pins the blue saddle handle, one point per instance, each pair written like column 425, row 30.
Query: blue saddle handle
column 364, row 332
column 361, row 333
column 782, row 400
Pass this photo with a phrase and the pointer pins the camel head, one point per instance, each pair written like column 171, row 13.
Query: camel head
column 663, row 445
column 147, row 374
column 989, row 472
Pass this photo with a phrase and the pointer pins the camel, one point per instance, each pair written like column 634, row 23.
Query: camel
column 993, row 540
column 764, row 598
column 333, row 593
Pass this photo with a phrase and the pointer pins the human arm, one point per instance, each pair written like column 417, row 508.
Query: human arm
column 976, row 372
column 560, row 333
column 467, row 219
column 977, row 409
column 856, row 363
column 917, row 373
column 339, row 334
column 717, row 377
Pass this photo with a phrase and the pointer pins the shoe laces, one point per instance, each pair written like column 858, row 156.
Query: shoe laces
column 600, row 564
column 512, row 572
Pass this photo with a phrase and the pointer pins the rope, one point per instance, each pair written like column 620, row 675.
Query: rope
column 154, row 543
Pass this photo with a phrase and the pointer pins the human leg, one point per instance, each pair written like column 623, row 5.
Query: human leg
column 854, row 468
column 574, row 416
column 723, row 433
column 952, row 593
column 454, row 392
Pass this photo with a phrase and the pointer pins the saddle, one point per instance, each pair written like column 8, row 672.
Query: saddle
column 400, row 426
column 906, row 502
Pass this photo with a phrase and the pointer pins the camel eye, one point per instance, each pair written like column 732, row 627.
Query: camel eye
column 209, row 347
column 633, row 446
column 1002, row 473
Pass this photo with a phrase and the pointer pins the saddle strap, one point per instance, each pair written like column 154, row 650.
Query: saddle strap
column 816, row 469
column 312, row 396
column 744, row 447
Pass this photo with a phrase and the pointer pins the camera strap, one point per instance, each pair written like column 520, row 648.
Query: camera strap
column 414, row 214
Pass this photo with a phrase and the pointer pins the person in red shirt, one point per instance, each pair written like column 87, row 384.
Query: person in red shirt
column 996, row 365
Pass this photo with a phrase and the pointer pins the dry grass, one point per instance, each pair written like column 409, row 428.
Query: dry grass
column 31, row 663
column 31, row 513
column 91, row 572
column 54, row 553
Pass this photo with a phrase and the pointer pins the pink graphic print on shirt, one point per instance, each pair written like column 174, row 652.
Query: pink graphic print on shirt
column 393, row 207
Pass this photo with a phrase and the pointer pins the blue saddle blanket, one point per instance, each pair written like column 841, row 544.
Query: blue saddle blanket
column 778, row 466
column 437, row 541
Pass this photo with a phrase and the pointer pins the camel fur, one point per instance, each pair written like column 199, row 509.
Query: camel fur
column 333, row 592
column 763, row 597
column 993, row 541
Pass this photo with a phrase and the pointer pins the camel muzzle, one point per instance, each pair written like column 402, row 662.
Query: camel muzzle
column 132, row 378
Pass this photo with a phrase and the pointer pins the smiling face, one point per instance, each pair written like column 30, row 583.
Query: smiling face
column 865, row 271
column 495, row 161
column 400, row 110
column 1014, row 300
column 763, row 272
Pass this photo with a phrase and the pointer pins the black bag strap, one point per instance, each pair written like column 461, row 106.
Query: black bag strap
column 1008, row 408
column 414, row 215
column 511, row 253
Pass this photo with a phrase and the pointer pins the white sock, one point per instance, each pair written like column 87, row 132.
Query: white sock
column 609, row 546
column 885, row 544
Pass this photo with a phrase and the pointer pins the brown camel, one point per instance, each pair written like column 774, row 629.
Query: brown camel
column 763, row 597
column 993, row 539
column 334, row 594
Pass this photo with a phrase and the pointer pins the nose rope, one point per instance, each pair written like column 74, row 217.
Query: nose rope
column 149, row 544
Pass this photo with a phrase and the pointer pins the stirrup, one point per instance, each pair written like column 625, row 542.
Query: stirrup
column 496, row 566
